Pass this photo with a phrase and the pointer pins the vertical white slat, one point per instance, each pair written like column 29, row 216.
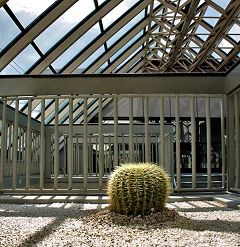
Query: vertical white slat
column 74, row 159
column 146, row 130
column 29, row 145
column 208, row 123
column 162, row 132
column 70, row 145
column 65, row 151
column 156, row 148
column 178, row 151
column 85, row 146
column 15, row 145
column 77, row 156
column 90, row 156
column 110, row 154
column 42, row 145
column 56, row 145
column 10, row 143
column 237, row 139
column 223, row 141
column 231, row 162
column 3, row 142
column 193, row 143
column 19, row 167
column 115, row 105
column 101, row 143
column 137, row 149
column 23, row 148
column 96, row 160
column 131, row 157
column 123, row 150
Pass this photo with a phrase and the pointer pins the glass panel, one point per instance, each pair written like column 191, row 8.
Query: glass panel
column 156, row 4
column 216, row 56
column 117, row 12
column 77, row 47
column 26, row 58
column 126, row 46
column 234, row 32
column 49, row 118
column 64, row 24
column 210, row 12
column 101, row 1
column 47, row 71
column 11, row 69
column 202, row 33
column 134, row 65
column 22, row 104
column 8, row 29
column 92, row 58
column 126, row 28
column 26, row 11
column 222, row 3
column 128, row 59
column 225, row 46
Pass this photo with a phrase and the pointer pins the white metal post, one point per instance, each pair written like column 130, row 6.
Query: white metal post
column 231, row 162
column 237, row 139
column 146, row 130
column 56, row 145
column 162, row 132
column 15, row 145
column 131, row 157
column 42, row 144
column 70, row 145
column 193, row 143
column 85, row 146
column 223, row 141
column 3, row 142
column 29, row 145
column 178, row 151
column 115, row 105
column 208, row 126
column 101, row 143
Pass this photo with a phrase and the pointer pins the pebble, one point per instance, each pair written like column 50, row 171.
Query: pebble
column 64, row 224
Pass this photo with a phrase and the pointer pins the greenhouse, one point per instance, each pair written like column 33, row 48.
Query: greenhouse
column 86, row 89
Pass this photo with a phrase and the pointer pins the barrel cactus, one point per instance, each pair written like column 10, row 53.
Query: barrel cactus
column 138, row 189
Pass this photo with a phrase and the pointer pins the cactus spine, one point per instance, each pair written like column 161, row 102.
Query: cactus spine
column 136, row 189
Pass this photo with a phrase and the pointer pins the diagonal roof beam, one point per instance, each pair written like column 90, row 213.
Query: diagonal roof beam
column 220, row 28
column 138, row 66
column 101, row 39
column 33, row 30
column 73, row 36
column 183, row 32
column 115, row 47
column 129, row 63
column 230, row 57
column 139, row 55
column 123, row 56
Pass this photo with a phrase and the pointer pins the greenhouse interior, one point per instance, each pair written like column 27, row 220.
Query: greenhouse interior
column 86, row 87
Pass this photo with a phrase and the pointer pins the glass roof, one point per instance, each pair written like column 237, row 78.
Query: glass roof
column 118, row 36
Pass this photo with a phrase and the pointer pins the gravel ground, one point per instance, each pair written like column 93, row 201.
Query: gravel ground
column 67, row 224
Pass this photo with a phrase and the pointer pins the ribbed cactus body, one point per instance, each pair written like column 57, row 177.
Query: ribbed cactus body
column 136, row 189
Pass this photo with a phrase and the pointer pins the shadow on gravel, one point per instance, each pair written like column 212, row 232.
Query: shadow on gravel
column 217, row 225
column 170, row 218
column 59, row 213
column 43, row 233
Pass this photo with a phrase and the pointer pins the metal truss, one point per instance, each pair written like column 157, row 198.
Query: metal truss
column 169, row 36
column 180, row 46
column 191, row 36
